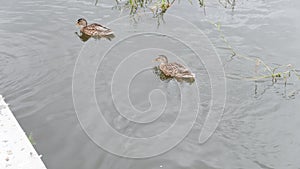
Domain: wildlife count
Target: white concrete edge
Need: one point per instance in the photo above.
(16, 151)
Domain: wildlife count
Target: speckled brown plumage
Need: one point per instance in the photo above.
(93, 29)
(173, 69)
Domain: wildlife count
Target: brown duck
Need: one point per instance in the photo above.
(93, 29)
(173, 69)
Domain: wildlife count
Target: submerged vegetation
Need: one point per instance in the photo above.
(262, 69)
(159, 7)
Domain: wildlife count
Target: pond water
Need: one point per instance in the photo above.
(259, 128)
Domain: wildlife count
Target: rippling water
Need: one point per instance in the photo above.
(259, 129)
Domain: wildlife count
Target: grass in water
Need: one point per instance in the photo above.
(159, 7)
(275, 73)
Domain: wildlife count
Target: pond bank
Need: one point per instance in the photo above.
(16, 151)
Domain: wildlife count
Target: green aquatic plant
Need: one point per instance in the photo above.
(275, 73)
(201, 3)
(158, 7)
(30, 138)
(227, 3)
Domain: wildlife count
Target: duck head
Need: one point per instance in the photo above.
(161, 59)
(81, 22)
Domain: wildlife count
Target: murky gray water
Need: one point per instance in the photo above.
(259, 129)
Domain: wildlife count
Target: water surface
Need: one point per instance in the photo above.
(259, 129)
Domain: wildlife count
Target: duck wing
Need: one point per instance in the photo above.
(169, 69)
(97, 30)
(98, 27)
(181, 68)
(183, 72)
(176, 70)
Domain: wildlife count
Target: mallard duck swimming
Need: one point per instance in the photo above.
(93, 29)
(173, 69)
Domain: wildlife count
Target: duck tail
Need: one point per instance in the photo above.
(109, 32)
(192, 75)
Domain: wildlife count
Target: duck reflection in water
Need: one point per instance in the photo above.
(84, 37)
(165, 78)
